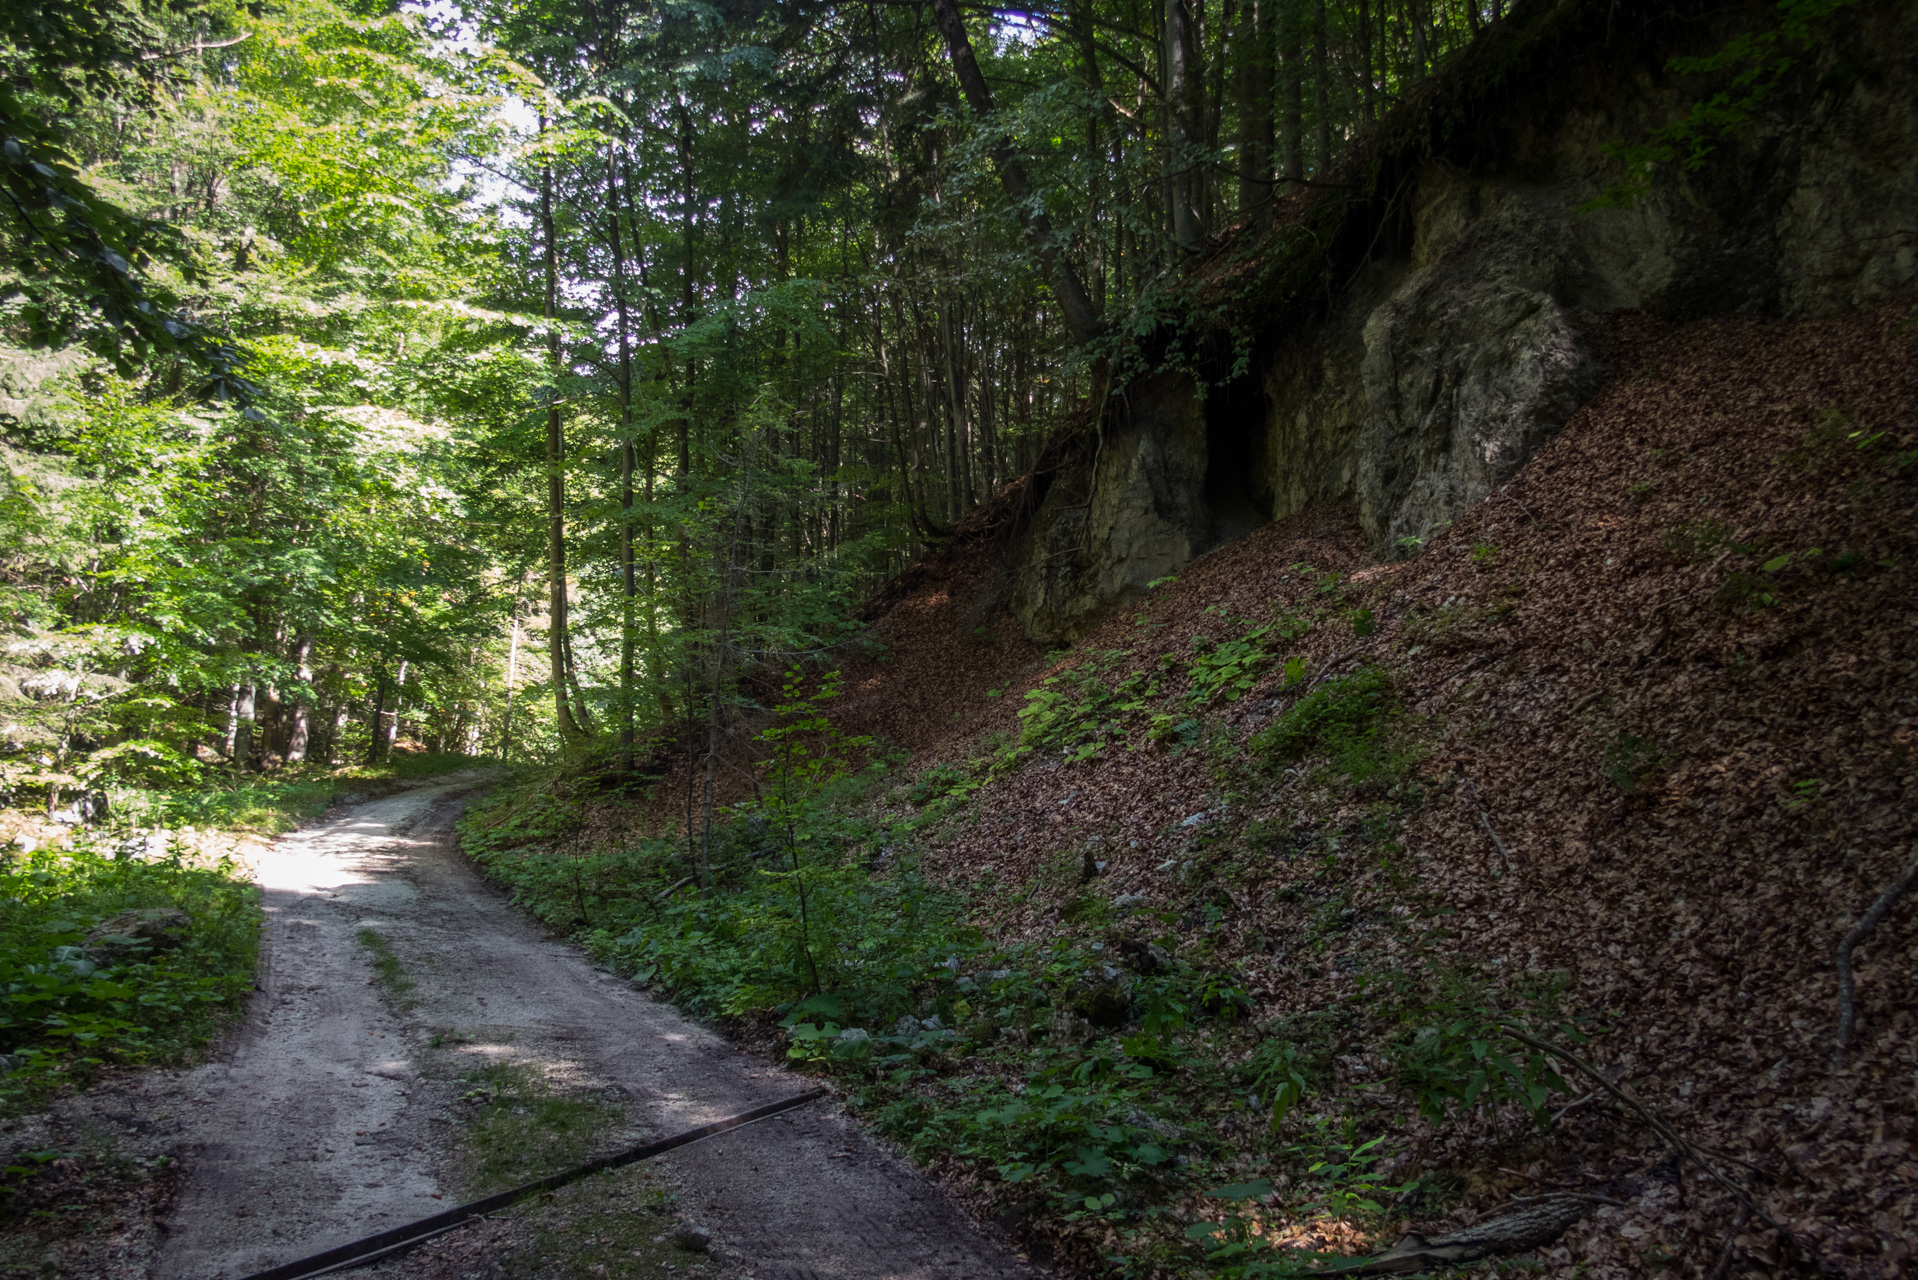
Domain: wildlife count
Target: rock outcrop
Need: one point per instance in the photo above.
(1456, 341)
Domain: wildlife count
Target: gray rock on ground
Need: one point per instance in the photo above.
(137, 935)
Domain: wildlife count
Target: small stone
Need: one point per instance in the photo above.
(1068, 1027)
(137, 934)
(1129, 901)
(1194, 820)
(692, 1238)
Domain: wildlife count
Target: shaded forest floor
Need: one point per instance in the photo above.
(1620, 755)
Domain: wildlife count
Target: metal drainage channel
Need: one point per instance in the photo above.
(372, 1247)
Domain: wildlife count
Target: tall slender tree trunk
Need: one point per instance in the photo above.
(627, 637)
(1292, 92)
(1365, 59)
(390, 731)
(556, 646)
(243, 718)
(296, 741)
(376, 738)
(230, 744)
(512, 682)
(1254, 90)
(1185, 96)
(1322, 83)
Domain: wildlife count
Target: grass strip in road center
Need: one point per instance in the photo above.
(362, 1251)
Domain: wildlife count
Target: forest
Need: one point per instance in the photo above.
(514, 377)
(1272, 637)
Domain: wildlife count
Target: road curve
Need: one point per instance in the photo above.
(315, 1129)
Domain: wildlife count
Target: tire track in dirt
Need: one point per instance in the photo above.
(316, 1130)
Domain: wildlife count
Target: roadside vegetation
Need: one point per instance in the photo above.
(74, 999)
(1103, 1076)
(131, 941)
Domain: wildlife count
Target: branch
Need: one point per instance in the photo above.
(1679, 1142)
(1847, 1006)
(1503, 851)
(198, 46)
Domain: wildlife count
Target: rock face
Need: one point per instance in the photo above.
(1459, 347)
(137, 935)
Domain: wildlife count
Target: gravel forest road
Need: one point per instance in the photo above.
(319, 1127)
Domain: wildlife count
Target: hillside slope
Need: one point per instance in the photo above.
(1274, 914)
(1658, 722)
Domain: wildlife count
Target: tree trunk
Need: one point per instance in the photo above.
(296, 741)
(627, 638)
(379, 716)
(1254, 90)
(512, 681)
(243, 716)
(1292, 93)
(1185, 102)
(1365, 59)
(1075, 304)
(1321, 74)
(231, 742)
(390, 731)
(555, 472)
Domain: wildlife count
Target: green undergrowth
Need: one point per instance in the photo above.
(1127, 699)
(1104, 1075)
(272, 803)
(66, 1013)
(517, 1126)
(67, 1010)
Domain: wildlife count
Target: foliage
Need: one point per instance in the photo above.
(63, 1014)
(1346, 718)
(1758, 63)
(1079, 710)
(1230, 668)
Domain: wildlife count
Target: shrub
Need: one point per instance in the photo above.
(62, 1013)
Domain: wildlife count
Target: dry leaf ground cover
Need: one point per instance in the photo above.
(1659, 691)
(1621, 755)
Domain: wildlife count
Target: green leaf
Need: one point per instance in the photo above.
(1257, 1190)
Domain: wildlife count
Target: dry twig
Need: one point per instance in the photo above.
(1681, 1144)
(1503, 851)
(1847, 990)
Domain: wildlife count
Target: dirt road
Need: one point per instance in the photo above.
(319, 1128)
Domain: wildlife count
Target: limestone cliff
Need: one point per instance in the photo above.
(1416, 335)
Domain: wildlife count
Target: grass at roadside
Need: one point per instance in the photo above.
(1100, 1076)
(269, 805)
(68, 1009)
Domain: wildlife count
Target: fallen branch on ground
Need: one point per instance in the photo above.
(1681, 1144)
(1847, 991)
(1532, 1227)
